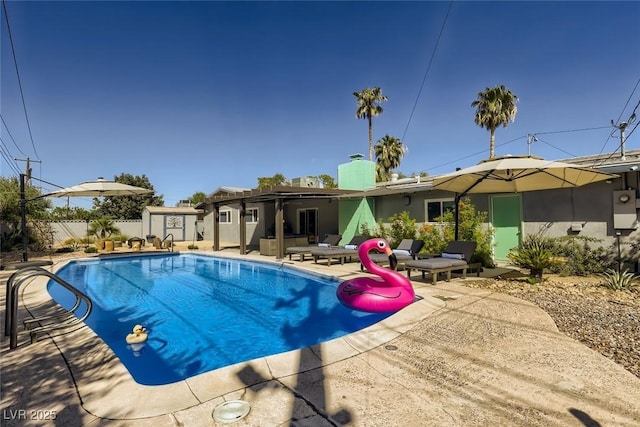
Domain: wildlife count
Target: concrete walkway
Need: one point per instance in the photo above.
(458, 357)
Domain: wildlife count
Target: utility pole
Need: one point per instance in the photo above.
(24, 179)
(621, 127)
(530, 140)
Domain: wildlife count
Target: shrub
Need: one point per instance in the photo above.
(90, 250)
(616, 280)
(535, 253)
(65, 250)
(402, 227)
(192, 247)
(471, 226)
(581, 259)
(432, 237)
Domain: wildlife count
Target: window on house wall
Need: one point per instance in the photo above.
(251, 215)
(437, 208)
(225, 217)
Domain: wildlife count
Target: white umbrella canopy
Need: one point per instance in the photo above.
(517, 174)
(100, 188)
(511, 174)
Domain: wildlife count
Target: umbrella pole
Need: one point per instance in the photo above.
(457, 217)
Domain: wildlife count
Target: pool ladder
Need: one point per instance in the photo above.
(47, 323)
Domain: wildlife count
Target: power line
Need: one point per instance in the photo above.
(433, 54)
(7, 157)
(619, 117)
(476, 154)
(15, 63)
(11, 136)
(571, 130)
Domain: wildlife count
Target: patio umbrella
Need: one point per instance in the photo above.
(100, 188)
(97, 188)
(513, 174)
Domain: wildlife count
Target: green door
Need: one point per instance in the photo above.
(506, 218)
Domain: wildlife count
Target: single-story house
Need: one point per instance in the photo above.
(606, 210)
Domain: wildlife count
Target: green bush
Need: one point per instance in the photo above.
(91, 250)
(402, 227)
(433, 238)
(471, 226)
(580, 258)
(65, 250)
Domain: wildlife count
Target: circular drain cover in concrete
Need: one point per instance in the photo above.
(231, 411)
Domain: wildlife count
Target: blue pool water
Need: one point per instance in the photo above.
(203, 313)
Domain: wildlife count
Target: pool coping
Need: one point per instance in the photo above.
(107, 390)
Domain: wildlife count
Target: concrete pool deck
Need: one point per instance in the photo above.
(457, 357)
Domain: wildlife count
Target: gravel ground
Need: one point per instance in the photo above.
(605, 320)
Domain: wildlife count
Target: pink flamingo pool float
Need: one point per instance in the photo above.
(390, 291)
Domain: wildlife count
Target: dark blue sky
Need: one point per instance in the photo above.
(198, 95)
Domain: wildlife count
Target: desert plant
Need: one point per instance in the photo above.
(619, 280)
(103, 228)
(90, 250)
(192, 247)
(535, 254)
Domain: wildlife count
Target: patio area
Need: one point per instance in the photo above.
(459, 356)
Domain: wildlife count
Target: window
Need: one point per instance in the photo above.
(437, 208)
(251, 215)
(308, 222)
(225, 217)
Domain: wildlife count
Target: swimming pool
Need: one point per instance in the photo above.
(203, 313)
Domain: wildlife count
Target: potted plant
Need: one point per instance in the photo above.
(103, 228)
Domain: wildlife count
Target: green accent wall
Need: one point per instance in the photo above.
(358, 174)
(354, 213)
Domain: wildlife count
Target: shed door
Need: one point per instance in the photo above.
(506, 218)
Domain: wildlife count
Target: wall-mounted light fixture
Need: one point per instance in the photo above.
(623, 198)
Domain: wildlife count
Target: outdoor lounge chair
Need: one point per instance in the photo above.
(328, 241)
(341, 253)
(406, 250)
(455, 257)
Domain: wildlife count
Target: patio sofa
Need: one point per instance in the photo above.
(342, 253)
(328, 241)
(455, 257)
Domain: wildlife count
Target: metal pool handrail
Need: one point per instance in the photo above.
(11, 312)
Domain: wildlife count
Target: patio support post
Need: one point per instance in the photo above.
(243, 227)
(279, 229)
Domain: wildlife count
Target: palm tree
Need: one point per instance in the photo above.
(103, 228)
(494, 107)
(389, 152)
(368, 107)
